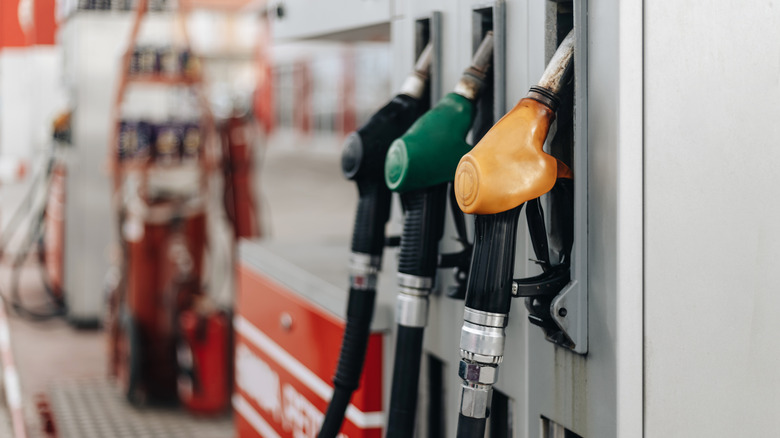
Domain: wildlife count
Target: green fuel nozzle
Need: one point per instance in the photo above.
(419, 165)
(430, 150)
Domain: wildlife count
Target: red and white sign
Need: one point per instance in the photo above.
(286, 354)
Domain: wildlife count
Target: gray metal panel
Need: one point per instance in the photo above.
(711, 109)
(580, 392)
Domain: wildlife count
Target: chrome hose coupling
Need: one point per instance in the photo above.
(363, 270)
(482, 341)
(412, 302)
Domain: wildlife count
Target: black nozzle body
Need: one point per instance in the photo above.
(362, 161)
(423, 228)
(489, 287)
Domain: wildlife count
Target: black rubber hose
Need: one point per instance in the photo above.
(471, 427)
(360, 310)
(423, 228)
(489, 287)
(406, 378)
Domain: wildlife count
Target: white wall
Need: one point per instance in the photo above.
(712, 87)
(31, 94)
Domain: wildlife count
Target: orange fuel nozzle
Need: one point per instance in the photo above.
(508, 166)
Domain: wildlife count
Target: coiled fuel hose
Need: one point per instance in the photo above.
(420, 165)
(363, 162)
(504, 170)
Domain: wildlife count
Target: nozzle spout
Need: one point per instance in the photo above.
(474, 76)
(414, 85)
(423, 65)
(559, 67)
(483, 56)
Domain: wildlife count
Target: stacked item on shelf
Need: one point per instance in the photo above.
(163, 61)
(121, 5)
(165, 143)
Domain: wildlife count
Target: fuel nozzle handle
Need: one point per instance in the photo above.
(506, 169)
(420, 166)
(488, 298)
(363, 161)
(364, 153)
(508, 166)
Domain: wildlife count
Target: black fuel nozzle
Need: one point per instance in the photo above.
(362, 161)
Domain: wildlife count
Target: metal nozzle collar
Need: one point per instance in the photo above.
(363, 269)
(360, 263)
(424, 284)
(484, 318)
(545, 97)
(482, 344)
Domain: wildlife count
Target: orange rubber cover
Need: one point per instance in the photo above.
(508, 166)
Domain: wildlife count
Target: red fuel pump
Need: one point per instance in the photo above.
(162, 280)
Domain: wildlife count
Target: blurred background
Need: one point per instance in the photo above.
(175, 226)
(139, 140)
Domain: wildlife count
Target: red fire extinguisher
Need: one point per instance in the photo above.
(203, 356)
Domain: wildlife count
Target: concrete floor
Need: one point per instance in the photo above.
(304, 198)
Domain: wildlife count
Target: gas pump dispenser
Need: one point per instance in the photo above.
(420, 165)
(506, 169)
(362, 161)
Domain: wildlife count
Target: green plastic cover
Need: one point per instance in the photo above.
(430, 150)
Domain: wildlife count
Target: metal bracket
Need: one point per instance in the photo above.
(567, 311)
